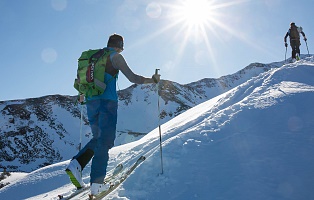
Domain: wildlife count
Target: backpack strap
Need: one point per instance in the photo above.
(96, 56)
(110, 69)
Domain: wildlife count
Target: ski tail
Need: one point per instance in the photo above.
(115, 172)
(118, 182)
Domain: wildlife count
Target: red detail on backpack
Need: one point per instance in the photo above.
(90, 73)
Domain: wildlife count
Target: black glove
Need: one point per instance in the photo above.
(286, 44)
(305, 39)
(156, 78)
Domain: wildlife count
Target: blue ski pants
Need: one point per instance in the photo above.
(102, 116)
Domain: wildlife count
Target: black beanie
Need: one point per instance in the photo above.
(115, 40)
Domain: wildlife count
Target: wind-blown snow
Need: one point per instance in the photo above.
(255, 141)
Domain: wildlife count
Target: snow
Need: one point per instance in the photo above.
(253, 142)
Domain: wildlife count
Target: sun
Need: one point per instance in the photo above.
(198, 25)
(194, 18)
(200, 18)
(195, 12)
(193, 21)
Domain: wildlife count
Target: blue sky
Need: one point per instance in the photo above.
(41, 40)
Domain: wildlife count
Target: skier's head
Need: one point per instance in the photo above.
(292, 24)
(115, 40)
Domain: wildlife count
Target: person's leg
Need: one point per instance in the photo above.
(293, 47)
(293, 53)
(86, 154)
(79, 161)
(298, 50)
(107, 121)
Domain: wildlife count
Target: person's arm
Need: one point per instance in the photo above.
(303, 34)
(285, 39)
(119, 63)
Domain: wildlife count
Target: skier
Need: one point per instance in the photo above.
(102, 116)
(294, 35)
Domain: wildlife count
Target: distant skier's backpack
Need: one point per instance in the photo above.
(295, 32)
(91, 72)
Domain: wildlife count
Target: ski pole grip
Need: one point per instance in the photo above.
(156, 71)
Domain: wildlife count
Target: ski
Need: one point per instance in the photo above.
(116, 171)
(118, 182)
(74, 194)
(110, 177)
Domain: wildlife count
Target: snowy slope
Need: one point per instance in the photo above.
(37, 132)
(253, 142)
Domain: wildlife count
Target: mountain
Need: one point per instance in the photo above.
(254, 141)
(41, 131)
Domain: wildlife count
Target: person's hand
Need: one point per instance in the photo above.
(156, 78)
(305, 39)
(286, 44)
(81, 98)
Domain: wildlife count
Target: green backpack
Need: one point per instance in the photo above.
(91, 72)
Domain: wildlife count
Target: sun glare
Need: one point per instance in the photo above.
(194, 18)
(195, 12)
(196, 23)
(200, 21)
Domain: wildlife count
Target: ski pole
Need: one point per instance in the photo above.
(307, 48)
(81, 127)
(161, 160)
(286, 55)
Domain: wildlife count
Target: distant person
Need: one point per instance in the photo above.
(102, 116)
(294, 35)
